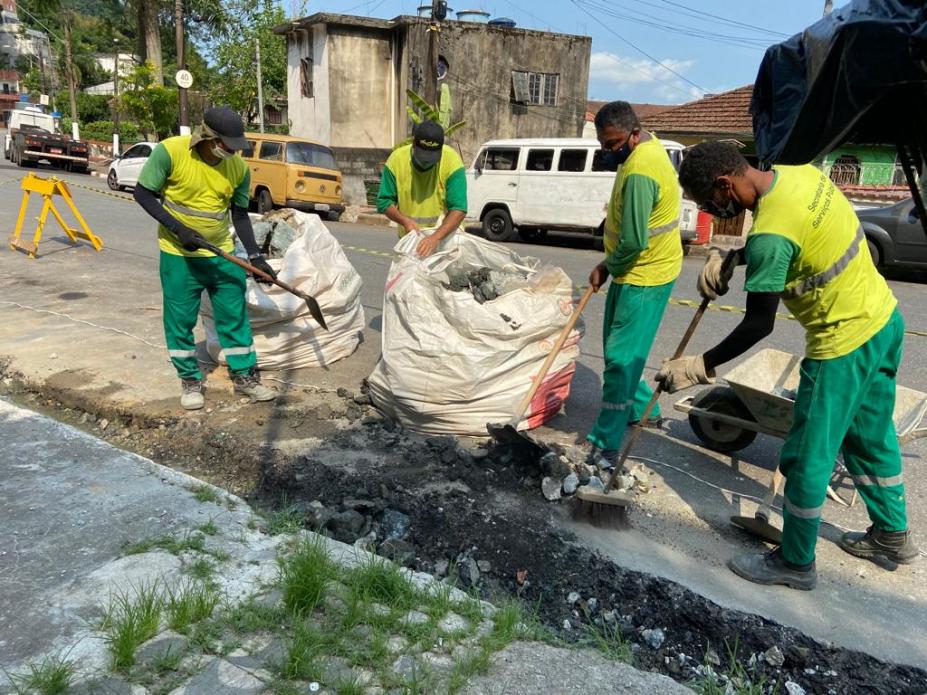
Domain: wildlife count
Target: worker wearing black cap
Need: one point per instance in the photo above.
(422, 182)
(189, 184)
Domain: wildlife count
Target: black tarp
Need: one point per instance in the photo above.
(858, 75)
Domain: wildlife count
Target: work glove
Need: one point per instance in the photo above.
(259, 262)
(713, 281)
(684, 372)
(189, 239)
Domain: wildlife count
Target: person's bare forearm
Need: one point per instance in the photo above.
(393, 213)
(452, 220)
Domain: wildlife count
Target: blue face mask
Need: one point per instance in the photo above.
(612, 159)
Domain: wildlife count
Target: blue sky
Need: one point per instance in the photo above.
(700, 53)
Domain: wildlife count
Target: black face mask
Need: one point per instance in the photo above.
(422, 167)
(612, 159)
(731, 210)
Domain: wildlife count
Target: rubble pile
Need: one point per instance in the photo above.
(563, 476)
(483, 283)
(274, 234)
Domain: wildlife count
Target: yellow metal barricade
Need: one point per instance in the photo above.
(48, 188)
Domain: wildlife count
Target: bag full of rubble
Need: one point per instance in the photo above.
(305, 255)
(465, 331)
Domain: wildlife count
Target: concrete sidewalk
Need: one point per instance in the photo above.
(87, 525)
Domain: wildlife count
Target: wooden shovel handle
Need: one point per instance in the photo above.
(564, 334)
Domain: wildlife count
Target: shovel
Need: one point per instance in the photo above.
(313, 305)
(758, 524)
(507, 432)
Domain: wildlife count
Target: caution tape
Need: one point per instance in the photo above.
(92, 189)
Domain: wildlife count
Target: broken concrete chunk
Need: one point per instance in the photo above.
(570, 483)
(551, 488)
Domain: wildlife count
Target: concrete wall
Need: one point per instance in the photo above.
(482, 59)
(359, 69)
(359, 164)
(309, 117)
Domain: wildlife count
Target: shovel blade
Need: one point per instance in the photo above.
(507, 434)
(759, 527)
(314, 309)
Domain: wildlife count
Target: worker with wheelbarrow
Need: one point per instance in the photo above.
(807, 247)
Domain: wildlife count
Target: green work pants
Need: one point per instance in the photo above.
(183, 280)
(632, 317)
(845, 403)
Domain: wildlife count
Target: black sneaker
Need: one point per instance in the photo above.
(772, 568)
(896, 546)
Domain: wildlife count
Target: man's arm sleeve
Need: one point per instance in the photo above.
(157, 168)
(638, 198)
(389, 194)
(758, 323)
(456, 196)
(152, 205)
(243, 229)
(242, 195)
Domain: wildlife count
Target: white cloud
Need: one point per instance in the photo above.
(612, 76)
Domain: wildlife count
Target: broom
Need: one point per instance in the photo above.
(609, 508)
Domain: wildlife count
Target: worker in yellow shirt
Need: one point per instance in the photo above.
(422, 183)
(807, 247)
(643, 255)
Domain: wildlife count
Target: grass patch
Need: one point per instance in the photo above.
(305, 649)
(304, 574)
(129, 621)
(252, 616)
(439, 602)
(204, 493)
(286, 520)
(206, 635)
(351, 686)
(201, 569)
(378, 580)
(191, 603)
(167, 662)
(735, 679)
(50, 676)
(609, 641)
(208, 529)
(189, 542)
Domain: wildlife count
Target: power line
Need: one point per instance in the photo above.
(724, 19)
(638, 48)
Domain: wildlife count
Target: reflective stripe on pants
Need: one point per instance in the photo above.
(844, 404)
(183, 280)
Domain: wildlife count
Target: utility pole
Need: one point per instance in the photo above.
(257, 52)
(828, 7)
(431, 64)
(116, 98)
(181, 65)
(75, 131)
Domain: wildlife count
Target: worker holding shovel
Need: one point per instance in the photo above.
(643, 255)
(422, 182)
(807, 247)
(189, 184)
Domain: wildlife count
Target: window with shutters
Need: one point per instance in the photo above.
(305, 77)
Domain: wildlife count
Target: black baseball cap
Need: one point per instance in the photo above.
(427, 142)
(227, 126)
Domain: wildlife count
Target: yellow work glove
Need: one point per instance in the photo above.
(712, 282)
(684, 372)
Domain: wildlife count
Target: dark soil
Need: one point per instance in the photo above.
(478, 511)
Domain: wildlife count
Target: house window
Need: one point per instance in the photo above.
(536, 88)
(845, 170)
(305, 77)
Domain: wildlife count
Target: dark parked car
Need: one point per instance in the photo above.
(895, 235)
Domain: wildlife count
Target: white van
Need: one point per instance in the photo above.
(531, 186)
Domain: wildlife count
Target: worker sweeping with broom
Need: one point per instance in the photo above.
(643, 255)
(807, 247)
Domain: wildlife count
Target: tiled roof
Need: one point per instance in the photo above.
(727, 113)
(888, 194)
(643, 111)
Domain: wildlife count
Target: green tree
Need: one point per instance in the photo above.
(234, 55)
(152, 106)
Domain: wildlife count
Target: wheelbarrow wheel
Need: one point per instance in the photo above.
(721, 436)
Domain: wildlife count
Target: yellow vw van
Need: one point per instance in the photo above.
(293, 172)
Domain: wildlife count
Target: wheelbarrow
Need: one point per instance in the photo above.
(760, 397)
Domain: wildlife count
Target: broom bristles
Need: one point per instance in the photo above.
(600, 515)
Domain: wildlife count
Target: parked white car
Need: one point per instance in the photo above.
(124, 171)
(531, 186)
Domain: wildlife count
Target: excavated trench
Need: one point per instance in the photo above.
(473, 514)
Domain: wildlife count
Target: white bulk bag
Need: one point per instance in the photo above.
(285, 335)
(449, 364)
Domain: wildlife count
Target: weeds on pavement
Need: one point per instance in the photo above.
(51, 676)
(129, 621)
(304, 575)
(190, 603)
(204, 493)
(735, 680)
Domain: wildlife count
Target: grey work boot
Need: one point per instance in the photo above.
(192, 396)
(772, 568)
(603, 459)
(896, 546)
(250, 385)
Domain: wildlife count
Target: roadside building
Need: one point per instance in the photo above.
(347, 78)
